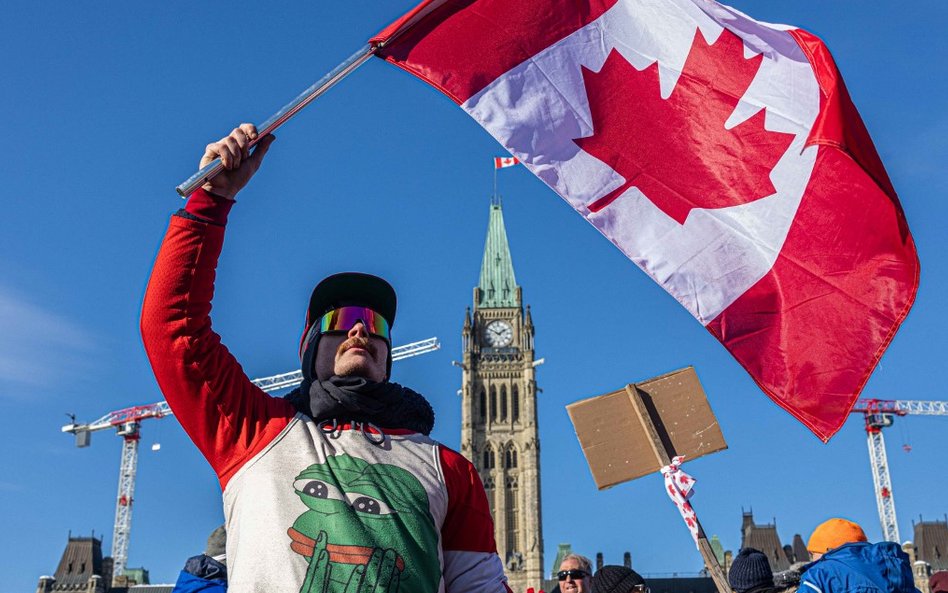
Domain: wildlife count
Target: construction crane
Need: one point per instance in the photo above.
(879, 414)
(127, 424)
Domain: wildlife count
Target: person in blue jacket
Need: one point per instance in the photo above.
(845, 562)
(207, 572)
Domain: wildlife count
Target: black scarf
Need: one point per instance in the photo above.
(385, 404)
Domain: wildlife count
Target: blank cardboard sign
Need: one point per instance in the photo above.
(632, 432)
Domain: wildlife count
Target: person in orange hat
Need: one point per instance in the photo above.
(844, 561)
(831, 534)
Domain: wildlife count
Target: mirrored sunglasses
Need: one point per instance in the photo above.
(344, 318)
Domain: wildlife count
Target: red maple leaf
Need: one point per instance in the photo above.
(677, 151)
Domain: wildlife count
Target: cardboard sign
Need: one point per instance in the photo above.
(637, 430)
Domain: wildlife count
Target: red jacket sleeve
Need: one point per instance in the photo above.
(229, 418)
(471, 563)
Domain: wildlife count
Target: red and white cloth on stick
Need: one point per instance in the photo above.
(722, 155)
(501, 162)
(679, 486)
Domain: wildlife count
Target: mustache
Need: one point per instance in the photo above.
(358, 342)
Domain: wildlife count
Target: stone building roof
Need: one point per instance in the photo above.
(166, 588)
(81, 560)
(931, 543)
(764, 538)
(800, 553)
(562, 551)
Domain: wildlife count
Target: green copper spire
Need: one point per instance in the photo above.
(498, 286)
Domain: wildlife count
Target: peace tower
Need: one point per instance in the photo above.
(499, 411)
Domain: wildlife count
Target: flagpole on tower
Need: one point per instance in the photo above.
(495, 184)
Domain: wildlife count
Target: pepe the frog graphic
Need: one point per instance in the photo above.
(367, 528)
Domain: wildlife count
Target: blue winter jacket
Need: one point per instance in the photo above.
(202, 574)
(860, 568)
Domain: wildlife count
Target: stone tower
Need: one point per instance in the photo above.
(499, 411)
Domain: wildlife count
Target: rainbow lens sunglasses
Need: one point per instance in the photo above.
(343, 319)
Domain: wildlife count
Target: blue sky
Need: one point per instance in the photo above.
(109, 107)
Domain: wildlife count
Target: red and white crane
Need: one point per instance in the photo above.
(879, 414)
(127, 424)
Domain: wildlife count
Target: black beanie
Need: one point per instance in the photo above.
(616, 579)
(750, 570)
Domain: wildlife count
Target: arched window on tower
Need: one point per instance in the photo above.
(483, 404)
(510, 456)
(503, 403)
(493, 403)
(515, 403)
(489, 458)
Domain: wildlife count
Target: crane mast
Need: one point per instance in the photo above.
(121, 530)
(879, 414)
(127, 423)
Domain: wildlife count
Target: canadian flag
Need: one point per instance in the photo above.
(722, 155)
(501, 162)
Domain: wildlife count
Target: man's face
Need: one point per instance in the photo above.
(572, 585)
(356, 353)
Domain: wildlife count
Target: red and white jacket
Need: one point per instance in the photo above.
(285, 478)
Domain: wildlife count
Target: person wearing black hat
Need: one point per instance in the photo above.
(337, 486)
(618, 579)
(750, 572)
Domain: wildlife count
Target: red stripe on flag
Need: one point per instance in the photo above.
(464, 45)
(813, 329)
(839, 123)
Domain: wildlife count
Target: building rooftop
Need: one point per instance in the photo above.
(498, 285)
(931, 543)
(81, 559)
(764, 538)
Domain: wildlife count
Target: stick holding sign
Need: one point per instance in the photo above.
(648, 427)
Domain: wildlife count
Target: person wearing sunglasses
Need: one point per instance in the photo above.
(575, 574)
(336, 487)
(618, 579)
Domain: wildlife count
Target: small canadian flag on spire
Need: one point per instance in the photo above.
(502, 162)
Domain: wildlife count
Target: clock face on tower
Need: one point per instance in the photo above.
(498, 334)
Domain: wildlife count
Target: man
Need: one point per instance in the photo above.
(618, 579)
(207, 572)
(336, 488)
(938, 582)
(831, 534)
(845, 561)
(575, 574)
(750, 572)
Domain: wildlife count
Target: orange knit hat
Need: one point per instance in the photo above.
(834, 533)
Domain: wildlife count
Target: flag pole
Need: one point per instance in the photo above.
(494, 200)
(322, 85)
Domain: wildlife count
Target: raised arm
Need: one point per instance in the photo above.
(227, 416)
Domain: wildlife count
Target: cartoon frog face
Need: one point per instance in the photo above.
(361, 507)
